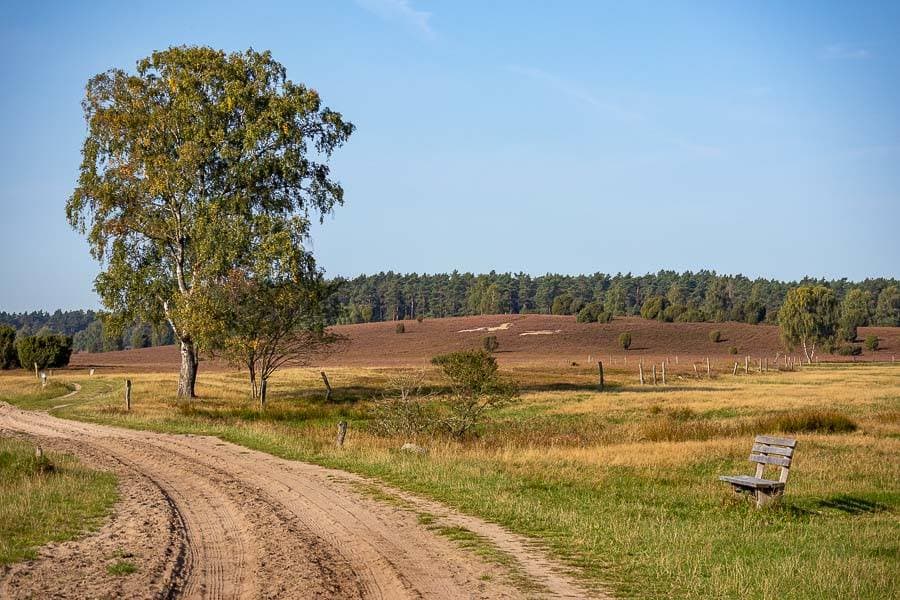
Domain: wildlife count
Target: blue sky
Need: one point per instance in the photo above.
(753, 137)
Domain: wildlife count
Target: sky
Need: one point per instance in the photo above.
(760, 138)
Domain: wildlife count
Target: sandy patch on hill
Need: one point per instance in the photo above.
(501, 327)
(542, 332)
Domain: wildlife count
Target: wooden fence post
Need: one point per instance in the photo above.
(734, 371)
(708, 376)
(600, 368)
(641, 371)
(37, 376)
(696, 372)
(43, 379)
(664, 371)
(342, 433)
(128, 394)
(654, 373)
(746, 365)
(327, 387)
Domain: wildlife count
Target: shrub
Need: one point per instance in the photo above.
(589, 312)
(872, 343)
(44, 350)
(653, 308)
(810, 421)
(849, 350)
(419, 318)
(604, 316)
(476, 389)
(9, 358)
(715, 336)
(625, 340)
(402, 411)
(732, 350)
(691, 315)
(401, 328)
(490, 343)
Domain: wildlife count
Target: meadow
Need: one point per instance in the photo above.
(622, 485)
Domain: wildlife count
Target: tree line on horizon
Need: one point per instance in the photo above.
(703, 296)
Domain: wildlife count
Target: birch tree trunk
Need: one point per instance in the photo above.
(187, 377)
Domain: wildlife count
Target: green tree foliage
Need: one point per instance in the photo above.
(887, 310)
(476, 389)
(47, 351)
(872, 343)
(191, 164)
(9, 358)
(264, 321)
(625, 340)
(562, 304)
(809, 316)
(654, 308)
(854, 313)
(715, 336)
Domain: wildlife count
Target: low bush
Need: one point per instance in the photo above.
(872, 343)
(732, 350)
(715, 336)
(419, 319)
(807, 421)
(46, 351)
(625, 340)
(402, 410)
(849, 350)
(400, 328)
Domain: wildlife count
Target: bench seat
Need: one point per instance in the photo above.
(755, 483)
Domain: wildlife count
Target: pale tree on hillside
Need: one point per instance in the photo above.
(189, 164)
(808, 317)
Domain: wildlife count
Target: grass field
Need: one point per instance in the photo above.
(622, 484)
(47, 499)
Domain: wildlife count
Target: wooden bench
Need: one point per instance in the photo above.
(767, 450)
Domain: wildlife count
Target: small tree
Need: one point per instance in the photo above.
(9, 358)
(265, 323)
(490, 343)
(654, 308)
(400, 328)
(46, 351)
(476, 389)
(625, 340)
(715, 336)
(872, 343)
(808, 317)
(854, 313)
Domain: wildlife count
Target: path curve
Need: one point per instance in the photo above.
(212, 519)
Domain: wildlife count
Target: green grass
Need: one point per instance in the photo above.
(51, 499)
(121, 567)
(621, 485)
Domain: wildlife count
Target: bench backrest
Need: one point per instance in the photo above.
(768, 450)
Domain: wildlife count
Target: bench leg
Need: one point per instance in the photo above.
(766, 498)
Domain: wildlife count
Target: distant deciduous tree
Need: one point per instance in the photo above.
(809, 316)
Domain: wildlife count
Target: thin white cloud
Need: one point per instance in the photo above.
(842, 52)
(401, 11)
(575, 92)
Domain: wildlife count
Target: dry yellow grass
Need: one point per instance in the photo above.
(623, 484)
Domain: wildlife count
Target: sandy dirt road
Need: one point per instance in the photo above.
(202, 518)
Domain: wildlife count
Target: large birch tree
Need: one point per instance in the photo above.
(190, 165)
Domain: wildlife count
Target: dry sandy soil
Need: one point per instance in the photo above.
(202, 518)
(550, 340)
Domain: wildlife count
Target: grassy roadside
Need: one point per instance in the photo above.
(621, 485)
(48, 499)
